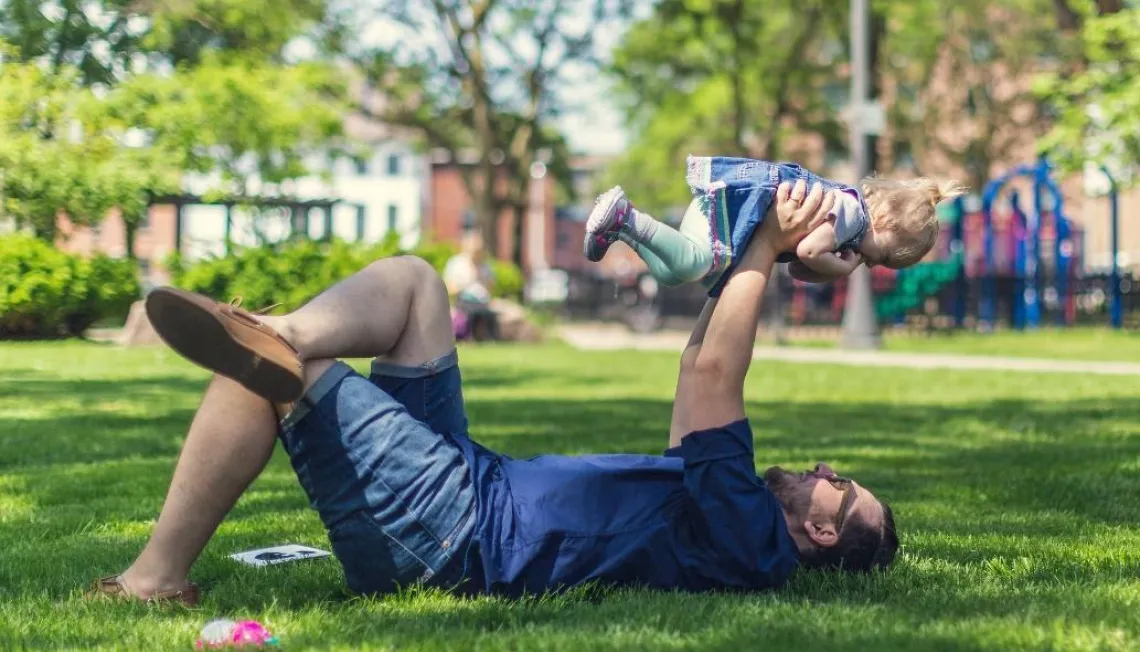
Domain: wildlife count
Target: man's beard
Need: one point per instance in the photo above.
(789, 489)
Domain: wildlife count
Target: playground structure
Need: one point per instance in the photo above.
(1027, 261)
(1011, 261)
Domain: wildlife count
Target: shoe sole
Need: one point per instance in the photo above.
(189, 324)
(601, 219)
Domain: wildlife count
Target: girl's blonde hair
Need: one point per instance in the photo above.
(906, 209)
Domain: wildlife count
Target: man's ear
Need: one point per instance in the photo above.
(822, 534)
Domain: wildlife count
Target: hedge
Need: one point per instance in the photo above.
(294, 272)
(47, 293)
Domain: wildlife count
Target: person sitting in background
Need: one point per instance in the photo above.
(470, 280)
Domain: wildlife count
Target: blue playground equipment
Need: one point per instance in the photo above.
(1024, 267)
(1027, 263)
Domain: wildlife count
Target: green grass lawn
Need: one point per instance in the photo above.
(1094, 344)
(1016, 497)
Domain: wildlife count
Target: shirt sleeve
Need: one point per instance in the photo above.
(743, 517)
(849, 219)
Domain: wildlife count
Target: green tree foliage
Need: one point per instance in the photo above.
(740, 77)
(244, 120)
(99, 39)
(1097, 107)
(108, 40)
(728, 77)
(109, 104)
(59, 151)
(961, 73)
(487, 81)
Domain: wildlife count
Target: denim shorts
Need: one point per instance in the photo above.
(735, 194)
(379, 461)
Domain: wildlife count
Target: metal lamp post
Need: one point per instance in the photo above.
(860, 324)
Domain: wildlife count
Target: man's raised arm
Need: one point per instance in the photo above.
(710, 388)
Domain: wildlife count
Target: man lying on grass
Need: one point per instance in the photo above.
(407, 497)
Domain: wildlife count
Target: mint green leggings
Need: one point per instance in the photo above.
(677, 256)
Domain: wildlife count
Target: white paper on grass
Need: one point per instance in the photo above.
(278, 555)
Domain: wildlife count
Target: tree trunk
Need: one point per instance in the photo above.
(520, 211)
(486, 213)
(130, 228)
(1067, 19)
(1104, 7)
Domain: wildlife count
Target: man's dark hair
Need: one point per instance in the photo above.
(861, 548)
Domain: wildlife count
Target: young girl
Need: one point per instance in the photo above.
(884, 222)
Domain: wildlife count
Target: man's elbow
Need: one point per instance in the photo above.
(810, 252)
(713, 372)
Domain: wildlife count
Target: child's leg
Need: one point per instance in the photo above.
(673, 256)
(687, 253)
(657, 267)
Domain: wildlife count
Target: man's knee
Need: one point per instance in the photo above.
(428, 330)
(410, 273)
(417, 267)
(428, 290)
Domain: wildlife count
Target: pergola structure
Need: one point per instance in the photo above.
(299, 211)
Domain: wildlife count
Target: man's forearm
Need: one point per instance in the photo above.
(802, 272)
(726, 353)
(732, 326)
(683, 406)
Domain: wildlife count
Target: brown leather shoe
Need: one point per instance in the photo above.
(114, 588)
(227, 340)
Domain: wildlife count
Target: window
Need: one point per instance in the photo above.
(837, 95)
(393, 214)
(315, 224)
(144, 223)
(904, 156)
(982, 48)
(393, 165)
(907, 93)
(360, 219)
(361, 164)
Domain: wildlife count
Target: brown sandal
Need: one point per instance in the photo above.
(114, 587)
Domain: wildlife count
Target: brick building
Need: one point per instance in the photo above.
(450, 212)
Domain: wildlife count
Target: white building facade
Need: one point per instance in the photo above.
(383, 190)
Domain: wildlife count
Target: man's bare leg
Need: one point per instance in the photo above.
(396, 308)
(229, 442)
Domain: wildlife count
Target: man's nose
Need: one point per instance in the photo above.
(824, 471)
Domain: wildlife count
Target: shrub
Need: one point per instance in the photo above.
(509, 280)
(294, 272)
(47, 293)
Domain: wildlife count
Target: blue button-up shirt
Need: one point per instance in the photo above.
(696, 519)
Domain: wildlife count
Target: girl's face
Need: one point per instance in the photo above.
(876, 247)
